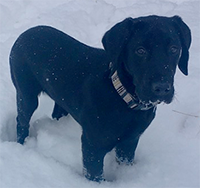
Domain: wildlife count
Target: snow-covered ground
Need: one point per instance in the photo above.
(168, 154)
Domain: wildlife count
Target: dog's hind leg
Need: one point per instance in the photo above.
(58, 112)
(26, 105)
(27, 89)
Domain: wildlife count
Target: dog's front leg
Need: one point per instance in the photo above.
(125, 151)
(92, 160)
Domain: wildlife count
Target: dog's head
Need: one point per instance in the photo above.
(148, 50)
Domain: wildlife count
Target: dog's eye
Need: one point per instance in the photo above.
(141, 51)
(173, 49)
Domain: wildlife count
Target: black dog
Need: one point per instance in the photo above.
(111, 93)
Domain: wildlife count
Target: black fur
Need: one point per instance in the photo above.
(145, 51)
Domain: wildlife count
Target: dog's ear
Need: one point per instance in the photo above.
(185, 37)
(116, 38)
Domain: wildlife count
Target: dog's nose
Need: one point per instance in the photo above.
(161, 89)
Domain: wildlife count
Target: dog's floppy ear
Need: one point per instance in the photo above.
(185, 37)
(116, 38)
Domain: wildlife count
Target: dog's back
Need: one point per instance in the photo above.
(46, 59)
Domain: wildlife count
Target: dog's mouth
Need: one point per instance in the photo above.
(152, 101)
(145, 106)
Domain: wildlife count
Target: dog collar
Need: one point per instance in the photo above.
(132, 101)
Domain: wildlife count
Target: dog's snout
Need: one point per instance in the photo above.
(161, 89)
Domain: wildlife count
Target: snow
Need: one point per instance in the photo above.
(168, 155)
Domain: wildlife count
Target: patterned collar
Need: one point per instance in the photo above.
(131, 100)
